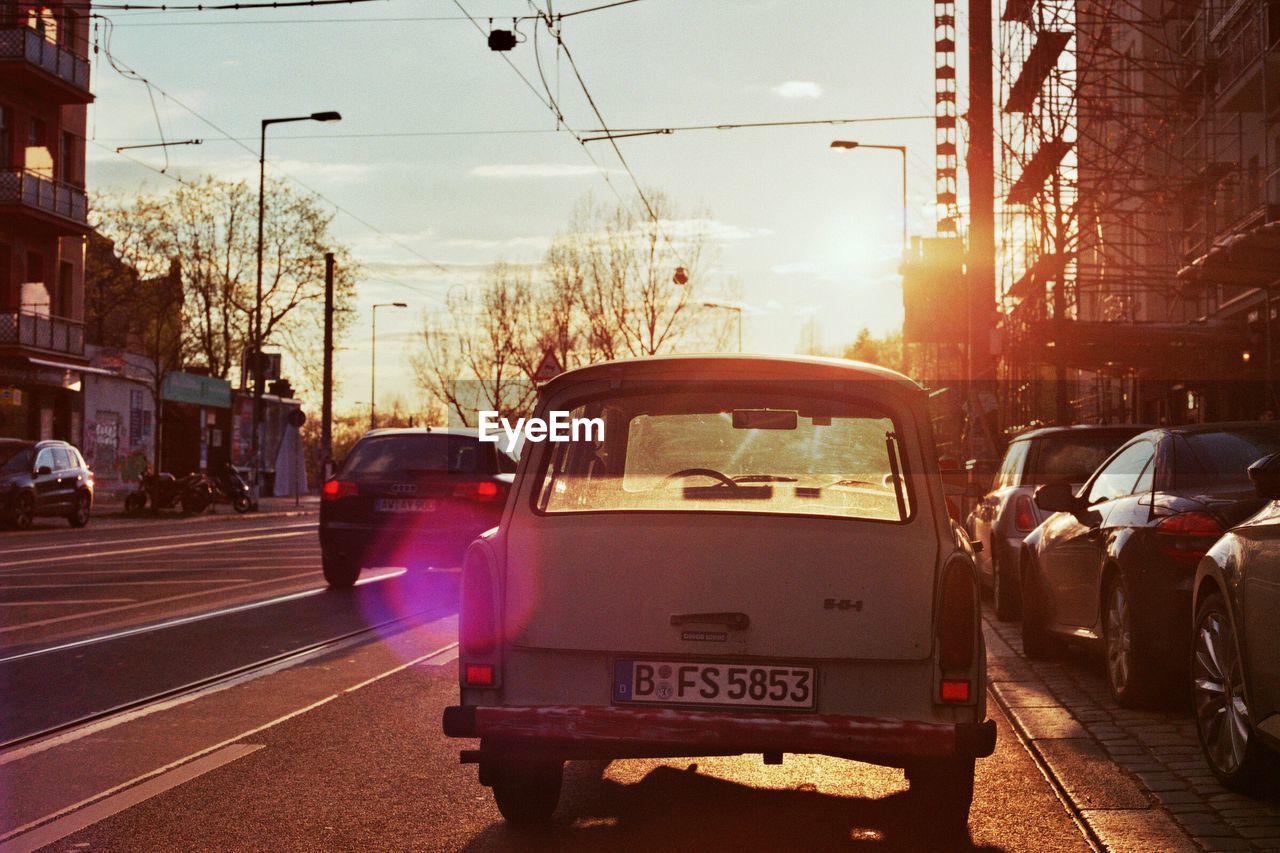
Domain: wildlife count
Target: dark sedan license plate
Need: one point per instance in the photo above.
(691, 683)
(405, 505)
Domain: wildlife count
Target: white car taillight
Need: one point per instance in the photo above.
(478, 623)
(957, 632)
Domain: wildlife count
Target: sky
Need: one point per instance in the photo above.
(447, 160)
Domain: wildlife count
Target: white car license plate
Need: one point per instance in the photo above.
(404, 505)
(724, 684)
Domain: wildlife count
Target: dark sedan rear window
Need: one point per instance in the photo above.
(1071, 458)
(16, 457)
(419, 454)
(1213, 459)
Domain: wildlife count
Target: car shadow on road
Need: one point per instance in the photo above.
(674, 809)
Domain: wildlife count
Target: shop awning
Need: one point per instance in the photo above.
(1251, 259)
(62, 365)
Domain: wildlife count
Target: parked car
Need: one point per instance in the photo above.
(1235, 636)
(40, 478)
(754, 557)
(1116, 561)
(410, 497)
(1007, 513)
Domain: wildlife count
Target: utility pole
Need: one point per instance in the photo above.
(326, 404)
(981, 266)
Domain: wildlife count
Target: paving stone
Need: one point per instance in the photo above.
(1167, 798)
(1040, 723)
(1025, 695)
(1089, 776)
(1144, 830)
(1223, 845)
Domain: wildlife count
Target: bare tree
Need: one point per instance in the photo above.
(605, 290)
(210, 229)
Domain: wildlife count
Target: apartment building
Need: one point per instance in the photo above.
(44, 92)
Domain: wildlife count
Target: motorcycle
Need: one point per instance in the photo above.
(230, 487)
(193, 493)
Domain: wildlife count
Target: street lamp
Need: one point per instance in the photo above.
(737, 308)
(373, 364)
(255, 449)
(901, 149)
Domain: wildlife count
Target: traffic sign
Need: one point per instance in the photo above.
(549, 368)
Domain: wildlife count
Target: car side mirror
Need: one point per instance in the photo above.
(42, 470)
(1057, 497)
(1265, 476)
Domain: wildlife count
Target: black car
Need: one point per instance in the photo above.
(1235, 637)
(410, 497)
(43, 478)
(1115, 562)
(1006, 514)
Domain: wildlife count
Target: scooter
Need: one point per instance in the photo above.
(193, 492)
(231, 488)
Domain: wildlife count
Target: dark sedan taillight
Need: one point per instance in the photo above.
(481, 491)
(1024, 515)
(336, 490)
(1186, 537)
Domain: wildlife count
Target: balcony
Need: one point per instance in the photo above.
(34, 200)
(39, 332)
(42, 67)
(1246, 44)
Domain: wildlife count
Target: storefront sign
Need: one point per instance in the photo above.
(200, 390)
(10, 396)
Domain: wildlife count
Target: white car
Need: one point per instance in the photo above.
(756, 557)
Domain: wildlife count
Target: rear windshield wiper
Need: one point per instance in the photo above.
(722, 492)
(763, 478)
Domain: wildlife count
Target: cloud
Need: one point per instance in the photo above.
(534, 170)
(797, 89)
(713, 230)
(535, 242)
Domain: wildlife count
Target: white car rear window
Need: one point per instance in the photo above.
(731, 451)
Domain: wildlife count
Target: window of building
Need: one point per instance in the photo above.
(69, 159)
(66, 276)
(6, 136)
(37, 132)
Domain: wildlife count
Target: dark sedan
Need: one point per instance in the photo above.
(1235, 635)
(410, 497)
(41, 478)
(1006, 514)
(1115, 562)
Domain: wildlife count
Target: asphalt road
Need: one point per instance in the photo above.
(58, 584)
(371, 770)
(344, 750)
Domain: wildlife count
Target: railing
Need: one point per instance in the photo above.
(18, 186)
(26, 43)
(54, 334)
(1244, 37)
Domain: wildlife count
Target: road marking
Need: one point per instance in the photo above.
(443, 656)
(18, 587)
(143, 629)
(65, 601)
(109, 806)
(210, 544)
(189, 535)
(310, 558)
(18, 832)
(55, 619)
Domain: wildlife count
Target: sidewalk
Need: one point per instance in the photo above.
(111, 503)
(1136, 778)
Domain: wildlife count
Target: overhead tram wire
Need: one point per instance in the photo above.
(549, 104)
(291, 177)
(209, 7)
(163, 8)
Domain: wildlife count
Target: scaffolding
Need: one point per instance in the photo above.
(1093, 176)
